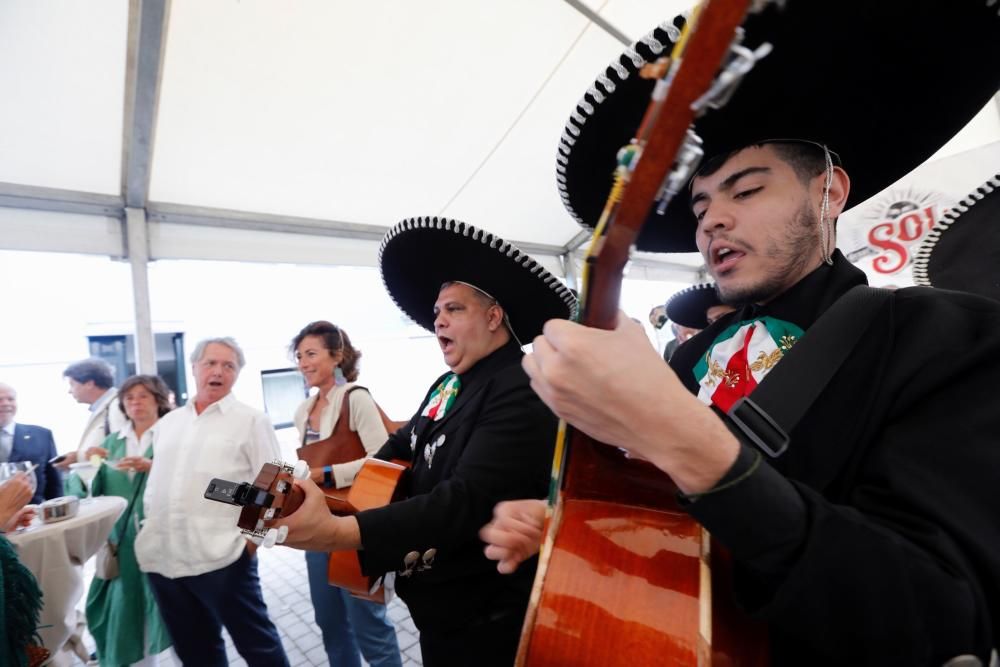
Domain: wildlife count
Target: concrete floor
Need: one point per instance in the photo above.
(286, 592)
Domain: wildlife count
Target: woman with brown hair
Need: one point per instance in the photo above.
(350, 626)
(121, 612)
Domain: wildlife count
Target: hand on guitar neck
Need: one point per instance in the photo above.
(283, 505)
(312, 527)
(636, 403)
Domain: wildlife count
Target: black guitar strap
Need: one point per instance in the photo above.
(767, 416)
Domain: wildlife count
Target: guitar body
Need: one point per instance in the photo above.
(639, 583)
(377, 484)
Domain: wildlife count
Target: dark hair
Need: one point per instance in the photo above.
(335, 340)
(96, 370)
(154, 385)
(805, 158)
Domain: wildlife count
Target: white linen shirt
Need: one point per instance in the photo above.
(184, 534)
(364, 420)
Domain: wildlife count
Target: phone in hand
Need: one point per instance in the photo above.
(57, 459)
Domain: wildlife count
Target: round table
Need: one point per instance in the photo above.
(55, 554)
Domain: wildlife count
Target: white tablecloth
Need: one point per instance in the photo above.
(55, 554)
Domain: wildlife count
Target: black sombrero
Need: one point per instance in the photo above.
(418, 255)
(883, 84)
(962, 251)
(688, 307)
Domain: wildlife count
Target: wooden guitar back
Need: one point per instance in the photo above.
(377, 485)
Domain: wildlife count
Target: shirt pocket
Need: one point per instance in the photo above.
(218, 457)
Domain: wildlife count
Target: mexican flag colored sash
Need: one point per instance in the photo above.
(442, 398)
(740, 357)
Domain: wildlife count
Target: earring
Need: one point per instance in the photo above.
(827, 244)
(338, 375)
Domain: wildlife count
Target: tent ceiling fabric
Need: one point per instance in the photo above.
(290, 114)
(373, 112)
(62, 77)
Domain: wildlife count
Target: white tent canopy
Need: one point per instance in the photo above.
(300, 131)
(324, 118)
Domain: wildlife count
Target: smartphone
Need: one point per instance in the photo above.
(57, 459)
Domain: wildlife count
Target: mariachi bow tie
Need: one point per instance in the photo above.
(443, 398)
(741, 357)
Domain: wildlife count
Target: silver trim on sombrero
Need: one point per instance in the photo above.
(620, 69)
(921, 258)
(487, 239)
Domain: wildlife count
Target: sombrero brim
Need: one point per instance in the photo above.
(418, 255)
(688, 307)
(962, 251)
(854, 75)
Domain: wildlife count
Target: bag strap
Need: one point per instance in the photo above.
(769, 414)
(345, 409)
(131, 503)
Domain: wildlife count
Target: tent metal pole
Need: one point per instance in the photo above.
(600, 21)
(137, 245)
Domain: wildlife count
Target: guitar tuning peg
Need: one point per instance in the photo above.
(270, 538)
(282, 534)
(300, 470)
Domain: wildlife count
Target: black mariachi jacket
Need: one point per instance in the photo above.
(495, 443)
(875, 539)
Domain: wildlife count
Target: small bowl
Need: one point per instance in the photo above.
(59, 509)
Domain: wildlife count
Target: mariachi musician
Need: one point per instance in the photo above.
(480, 436)
(872, 539)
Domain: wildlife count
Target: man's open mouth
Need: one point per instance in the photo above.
(725, 257)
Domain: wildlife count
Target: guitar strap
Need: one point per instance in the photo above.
(768, 415)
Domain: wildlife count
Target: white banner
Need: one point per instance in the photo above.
(881, 234)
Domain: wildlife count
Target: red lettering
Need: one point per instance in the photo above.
(886, 262)
(931, 218)
(911, 227)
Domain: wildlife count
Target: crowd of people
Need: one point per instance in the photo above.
(185, 569)
(861, 532)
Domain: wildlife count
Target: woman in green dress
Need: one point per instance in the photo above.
(122, 612)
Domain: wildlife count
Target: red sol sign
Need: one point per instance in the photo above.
(896, 224)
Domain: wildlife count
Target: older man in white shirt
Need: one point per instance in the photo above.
(202, 571)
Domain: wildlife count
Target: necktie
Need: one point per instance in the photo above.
(442, 398)
(6, 445)
(741, 357)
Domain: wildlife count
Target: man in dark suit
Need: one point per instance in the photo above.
(24, 442)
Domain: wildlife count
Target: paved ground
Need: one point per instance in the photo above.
(286, 592)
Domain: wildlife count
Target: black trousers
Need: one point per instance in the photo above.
(489, 644)
(196, 608)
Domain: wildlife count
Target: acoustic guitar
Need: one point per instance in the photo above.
(272, 495)
(625, 576)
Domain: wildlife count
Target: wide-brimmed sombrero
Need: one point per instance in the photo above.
(882, 84)
(689, 306)
(418, 255)
(962, 251)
